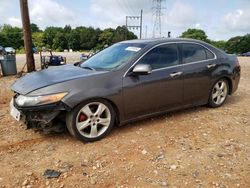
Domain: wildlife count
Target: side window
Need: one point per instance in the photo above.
(210, 55)
(193, 52)
(162, 56)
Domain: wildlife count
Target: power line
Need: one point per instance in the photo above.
(157, 17)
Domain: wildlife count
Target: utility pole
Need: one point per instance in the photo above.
(157, 14)
(141, 25)
(27, 35)
(135, 26)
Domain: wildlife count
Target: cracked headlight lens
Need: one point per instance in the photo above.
(22, 100)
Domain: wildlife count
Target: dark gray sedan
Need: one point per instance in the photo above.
(128, 81)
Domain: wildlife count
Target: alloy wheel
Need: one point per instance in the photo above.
(219, 92)
(93, 119)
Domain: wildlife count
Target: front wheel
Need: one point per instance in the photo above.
(219, 93)
(91, 121)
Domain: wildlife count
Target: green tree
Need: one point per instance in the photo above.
(59, 42)
(122, 33)
(12, 36)
(73, 40)
(232, 45)
(58, 38)
(106, 37)
(38, 40)
(49, 35)
(239, 44)
(195, 34)
(34, 28)
(219, 44)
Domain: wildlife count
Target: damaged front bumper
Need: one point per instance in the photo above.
(47, 118)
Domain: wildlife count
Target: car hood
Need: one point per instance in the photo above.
(54, 75)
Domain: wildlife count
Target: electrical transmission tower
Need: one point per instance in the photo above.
(157, 15)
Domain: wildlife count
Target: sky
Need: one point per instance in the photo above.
(220, 19)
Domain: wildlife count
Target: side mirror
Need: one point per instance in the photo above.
(142, 69)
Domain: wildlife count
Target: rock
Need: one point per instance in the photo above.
(198, 181)
(29, 173)
(205, 134)
(164, 184)
(159, 157)
(173, 167)
(65, 175)
(195, 174)
(51, 173)
(62, 185)
(25, 182)
(47, 183)
(144, 152)
(156, 172)
(65, 167)
(51, 148)
(29, 186)
(92, 181)
(85, 174)
(220, 155)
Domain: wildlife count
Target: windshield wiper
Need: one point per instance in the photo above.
(90, 68)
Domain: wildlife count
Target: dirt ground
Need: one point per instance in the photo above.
(197, 147)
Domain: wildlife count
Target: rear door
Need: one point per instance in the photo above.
(160, 90)
(198, 65)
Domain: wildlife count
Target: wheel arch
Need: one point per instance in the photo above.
(112, 103)
(229, 81)
(230, 84)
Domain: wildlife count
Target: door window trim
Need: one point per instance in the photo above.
(180, 64)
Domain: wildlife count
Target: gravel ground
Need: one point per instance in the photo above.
(196, 147)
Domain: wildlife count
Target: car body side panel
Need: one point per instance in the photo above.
(150, 93)
(197, 81)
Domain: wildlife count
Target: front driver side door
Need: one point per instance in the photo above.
(158, 91)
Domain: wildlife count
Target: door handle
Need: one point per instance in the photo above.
(176, 74)
(211, 66)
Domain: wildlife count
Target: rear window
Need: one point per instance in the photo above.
(210, 55)
(195, 52)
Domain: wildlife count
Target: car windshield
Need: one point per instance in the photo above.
(113, 57)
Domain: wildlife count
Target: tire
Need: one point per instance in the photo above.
(91, 120)
(218, 93)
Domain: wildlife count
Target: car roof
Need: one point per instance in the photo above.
(161, 40)
(153, 42)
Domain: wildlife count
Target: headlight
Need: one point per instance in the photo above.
(39, 100)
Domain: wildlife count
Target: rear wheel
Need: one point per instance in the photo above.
(91, 121)
(219, 93)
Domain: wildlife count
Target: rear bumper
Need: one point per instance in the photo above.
(235, 79)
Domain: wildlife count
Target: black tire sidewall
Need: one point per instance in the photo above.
(211, 102)
(71, 120)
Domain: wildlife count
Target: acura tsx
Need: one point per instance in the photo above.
(128, 81)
